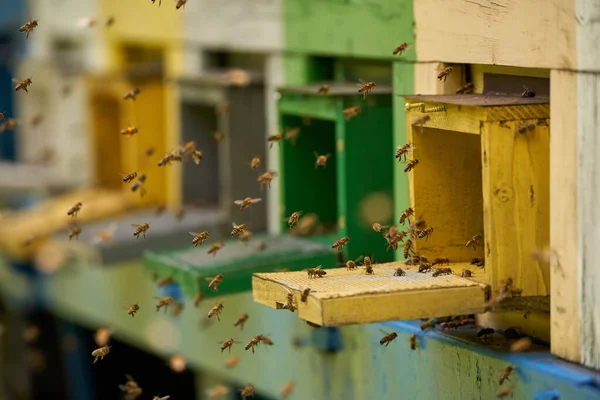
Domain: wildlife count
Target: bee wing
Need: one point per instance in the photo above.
(136, 225)
(384, 332)
(165, 397)
(257, 200)
(129, 378)
(234, 225)
(361, 81)
(316, 154)
(15, 80)
(238, 202)
(210, 279)
(194, 234)
(327, 155)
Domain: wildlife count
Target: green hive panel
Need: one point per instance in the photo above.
(237, 261)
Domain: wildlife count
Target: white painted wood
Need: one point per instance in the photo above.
(588, 127)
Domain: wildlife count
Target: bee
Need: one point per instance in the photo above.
(255, 163)
(247, 391)
(293, 219)
(316, 272)
(292, 135)
(180, 3)
(425, 267)
(377, 227)
(177, 309)
(215, 282)
(8, 125)
(218, 135)
(287, 389)
(216, 311)
(149, 151)
(304, 296)
(228, 344)
(159, 2)
(264, 339)
(165, 281)
(237, 229)
(140, 230)
(75, 209)
(131, 388)
(478, 261)
(232, 361)
(110, 21)
(22, 84)
(28, 27)
(368, 266)
(504, 375)
(444, 74)
(131, 94)
(1, 116)
(466, 88)
(321, 160)
(410, 165)
(468, 322)
(168, 159)
(449, 325)
(466, 273)
(265, 179)
(74, 232)
(197, 157)
(428, 325)
(274, 138)
(527, 93)
(350, 265)
(521, 345)
(412, 340)
(161, 398)
(129, 131)
(442, 271)
(441, 261)
(485, 332)
(401, 48)
(130, 177)
(163, 302)
(214, 249)
(365, 87)
(289, 305)
(421, 121)
(198, 298)
(425, 233)
(406, 214)
(403, 151)
(340, 243)
(247, 202)
(505, 391)
(255, 341)
(199, 238)
(529, 126)
(139, 185)
(100, 353)
(241, 321)
(245, 236)
(474, 241)
(506, 287)
(399, 272)
(323, 89)
(408, 248)
(388, 338)
(351, 112)
(36, 120)
(416, 259)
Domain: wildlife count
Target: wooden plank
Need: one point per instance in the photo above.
(516, 204)
(345, 297)
(326, 108)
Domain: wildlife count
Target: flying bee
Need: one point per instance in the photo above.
(293, 219)
(241, 321)
(466, 88)
(247, 391)
(365, 87)
(129, 131)
(444, 74)
(187, 149)
(287, 389)
(402, 151)
(217, 392)
(442, 271)
(74, 232)
(316, 272)
(377, 227)
(504, 375)
(401, 48)
(292, 135)
(474, 241)
(237, 229)
(163, 302)
(167, 280)
(323, 89)
(466, 273)
(367, 263)
(265, 179)
(139, 185)
(177, 309)
(161, 398)
(215, 282)
(247, 202)
(521, 345)
(321, 160)
(351, 112)
(214, 249)
(408, 248)
(421, 121)
(412, 340)
(388, 338)
(140, 230)
(304, 296)
(340, 243)
(527, 93)
(28, 27)
(441, 261)
(425, 267)
(131, 388)
(110, 21)
(228, 344)
(133, 309)
(22, 84)
(245, 236)
(426, 233)
(197, 157)
(255, 163)
(410, 165)
(1, 116)
(8, 125)
(406, 214)
(131, 94)
(232, 361)
(505, 391)
(399, 272)
(36, 120)
(255, 341)
(180, 3)
(276, 138)
(100, 353)
(216, 311)
(129, 177)
(199, 238)
(478, 261)
(75, 209)
(149, 151)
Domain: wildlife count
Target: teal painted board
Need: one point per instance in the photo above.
(237, 261)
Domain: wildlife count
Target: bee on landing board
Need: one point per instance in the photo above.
(199, 238)
(444, 74)
(228, 344)
(399, 272)
(255, 163)
(163, 302)
(292, 135)
(22, 84)
(132, 309)
(428, 325)
(527, 93)
(289, 304)
(316, 272)
(265, 179)
(100, 353)
(351, 112)
(412, 340)
(474, 241)
(247, 202)
(466, 88)
(402, 151)
(129, 131)
(216, 311)
(367, 263)
(442, 271)
(276, 138)
(388, 338)
(425, 267)
(293, 219)
(214, 249)
(247, 391)
(131, 94)
(441, 261)
(323, 89)
(340, 243)
(466, 273)
(401, 48)
(241, 321)
(410, 165)
(504, 375)
(237, 229)
(321, 159)
(215, 282)
(75, 209)
(485, 332)
(28, 27)
(140, 230)
(365, 87)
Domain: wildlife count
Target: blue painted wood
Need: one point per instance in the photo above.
(77, 363)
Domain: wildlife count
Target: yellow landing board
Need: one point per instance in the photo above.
(345, 297)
